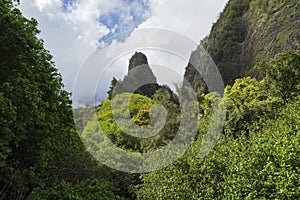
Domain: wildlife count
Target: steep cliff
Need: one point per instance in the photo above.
(247, 32)
(139, 79)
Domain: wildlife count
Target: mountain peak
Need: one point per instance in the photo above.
(139, 79)
(136, 60)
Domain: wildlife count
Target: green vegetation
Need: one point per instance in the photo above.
(137, 103)
(247, 32)
(256, 157)
(283, 73)
(247, 100)
(137, 113)
(87, 189)
(264, 165)
(41, 155)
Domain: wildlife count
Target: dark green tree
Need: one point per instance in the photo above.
(38, 142)
(87, 189)
(282, 74)
(112, 86)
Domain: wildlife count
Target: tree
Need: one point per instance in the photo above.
(112, 86)
(87, 189)
(39, 144)
(247, 100)
(126, 110)
(264, 165)
(282, 73)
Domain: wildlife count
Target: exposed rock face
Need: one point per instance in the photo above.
(139, 79)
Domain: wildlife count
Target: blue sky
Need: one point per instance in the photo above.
(66, 3)
(73, 29)
(114, 20)
(120, 19)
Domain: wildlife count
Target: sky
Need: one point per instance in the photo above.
(92, 40)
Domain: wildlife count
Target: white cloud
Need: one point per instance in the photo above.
(46, 4)
(192, 18)
(83, 15)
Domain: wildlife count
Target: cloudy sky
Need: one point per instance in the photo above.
(92, 40)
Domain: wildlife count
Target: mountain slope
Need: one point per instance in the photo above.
(247, 32)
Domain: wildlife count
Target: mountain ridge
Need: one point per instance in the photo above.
(246, 33)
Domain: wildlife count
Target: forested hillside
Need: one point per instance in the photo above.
(249, 31)
(41, 154)
(255, 44)
(258, 156)
(140, 90)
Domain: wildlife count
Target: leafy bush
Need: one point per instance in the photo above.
(87, 189)
(264, 165)
(247, 101)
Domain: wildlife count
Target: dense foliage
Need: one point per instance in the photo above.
(263, 165)
(41, 155)
(137, 113)
(257, 156)
(283, 74)
(246, 32)
(137, 104)
(87, 189)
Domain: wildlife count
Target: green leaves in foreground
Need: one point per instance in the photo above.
(87, 189)
(263, 165)
(259, 153)
(39, 147)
